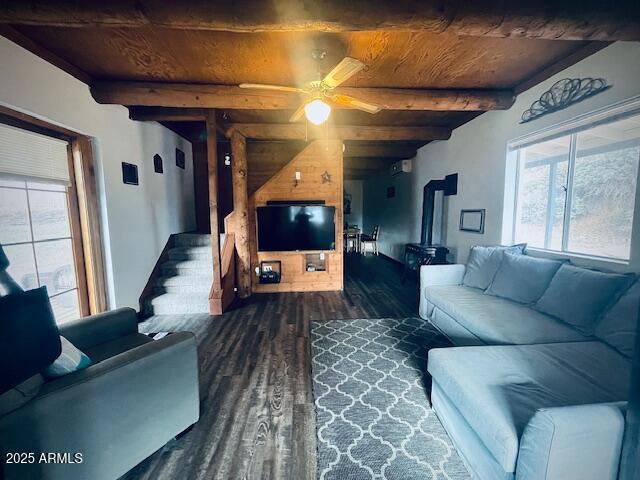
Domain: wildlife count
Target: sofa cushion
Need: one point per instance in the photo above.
(619, 326)
(498, 389)
(483, 264)
(29, 338)
(70, 360)
(522, 278)
(115, 347)
(580, 296)
(577, 441)
(496, 320)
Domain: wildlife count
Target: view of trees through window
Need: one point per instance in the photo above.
(36, 236)
(576, 193)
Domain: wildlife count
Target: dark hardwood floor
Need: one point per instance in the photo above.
(257, 418)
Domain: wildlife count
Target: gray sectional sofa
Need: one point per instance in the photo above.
(535, 386)
(138, 395)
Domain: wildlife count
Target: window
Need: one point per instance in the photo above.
(35, 232)
(575, 193)
(41, 229)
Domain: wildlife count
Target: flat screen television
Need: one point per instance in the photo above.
(286, 228)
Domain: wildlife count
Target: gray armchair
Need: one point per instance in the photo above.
(138, 395)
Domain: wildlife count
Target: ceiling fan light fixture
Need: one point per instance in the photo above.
(317, 111)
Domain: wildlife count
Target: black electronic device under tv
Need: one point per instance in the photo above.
(292, 228)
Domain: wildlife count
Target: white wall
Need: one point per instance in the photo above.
(354, 188)
(136, 220)
(395, 216)
(477, 151)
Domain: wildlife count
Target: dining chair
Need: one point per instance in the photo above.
(370, 242)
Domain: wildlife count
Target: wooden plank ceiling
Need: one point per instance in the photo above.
(133, 51)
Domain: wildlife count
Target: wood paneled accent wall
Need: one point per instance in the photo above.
(201, 185)
(318, 157)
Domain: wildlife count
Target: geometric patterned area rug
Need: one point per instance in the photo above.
(373, 416)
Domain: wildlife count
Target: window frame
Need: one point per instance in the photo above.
(83, 207)
(571, 129)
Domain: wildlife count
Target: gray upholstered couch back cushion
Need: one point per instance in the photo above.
(619, 325)
(522, 278)
(483, 264)
(579, 296)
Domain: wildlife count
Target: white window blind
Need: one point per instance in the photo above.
(25, 154)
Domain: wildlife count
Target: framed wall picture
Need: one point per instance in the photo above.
(472, 220)
(179, 158)
(129, 173)
(157, 163)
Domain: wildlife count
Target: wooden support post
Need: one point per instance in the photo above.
(241, 211)
(215, 306)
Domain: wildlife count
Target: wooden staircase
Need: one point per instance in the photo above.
(182, 282)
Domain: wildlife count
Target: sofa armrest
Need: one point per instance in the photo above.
(89, 331)
(582, 441)
(115, 413)
(431, 275)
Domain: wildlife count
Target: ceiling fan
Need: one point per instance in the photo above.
(317, 107)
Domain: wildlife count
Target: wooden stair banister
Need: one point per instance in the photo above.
(221, 296)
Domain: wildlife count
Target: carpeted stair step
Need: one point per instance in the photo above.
(177, 304)
(187, 267)
(190, 253)
(184, 284)
(192, 240)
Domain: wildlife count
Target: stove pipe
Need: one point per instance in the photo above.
(449, 186)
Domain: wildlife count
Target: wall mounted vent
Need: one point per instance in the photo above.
(403, 166)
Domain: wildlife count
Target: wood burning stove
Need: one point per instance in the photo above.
(425, 252)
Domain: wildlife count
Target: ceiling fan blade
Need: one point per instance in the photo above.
(342, 72)
(279, 88)
(352, 102)
(297, 115)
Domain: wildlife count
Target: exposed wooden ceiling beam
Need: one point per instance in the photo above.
(395, 150)
(360, 174)
(293, 131)
(163, 114)
(373, 163)
(433, 99)
(586, 20)
(182, 95)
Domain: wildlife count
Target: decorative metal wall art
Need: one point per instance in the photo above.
(563, 93)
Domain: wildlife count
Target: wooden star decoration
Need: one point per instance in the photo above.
(326, 177)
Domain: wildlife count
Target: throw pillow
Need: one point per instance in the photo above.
(522, 278)
(579, 296)
(70, 360)
(483, 264)
(29, 337)
(619, 326)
